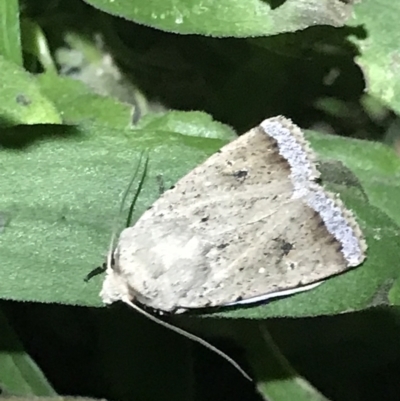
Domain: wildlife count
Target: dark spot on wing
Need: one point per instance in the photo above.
(286, 247)
(241, 174)
(283, 245)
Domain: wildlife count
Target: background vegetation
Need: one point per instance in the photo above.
(86, 86)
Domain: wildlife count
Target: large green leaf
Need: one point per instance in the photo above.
(229, 17)
(69, 179)
(60, 195)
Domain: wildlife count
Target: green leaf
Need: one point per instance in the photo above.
(34, 42)
(18, 372)
(10, 40)
(229, 17)
(21, 101)
(78, 104)
(61, 214)
(276, 379)
(194, 123)
(394, 292)
(376, 166)
(379, 47)
(13, 398)
(341, 355)
(60, 222)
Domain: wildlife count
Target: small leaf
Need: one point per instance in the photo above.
(193, 123)
(21, 101)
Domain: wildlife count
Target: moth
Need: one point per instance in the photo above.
(250, 223)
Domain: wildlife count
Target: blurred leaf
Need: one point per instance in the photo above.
(14, 398)
(18, 372)
(21, 101)
(353, 356)
(35, 43)
(78, 104)
(380, 57)
(10, 40)
(229, 17)
(394, 292)
(194, 123)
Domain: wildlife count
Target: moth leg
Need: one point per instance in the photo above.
(95, 272)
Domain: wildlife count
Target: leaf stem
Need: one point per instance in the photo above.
(276, 379)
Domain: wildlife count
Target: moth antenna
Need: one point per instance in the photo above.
(188, 335)
(139, 188)
(145, 154)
